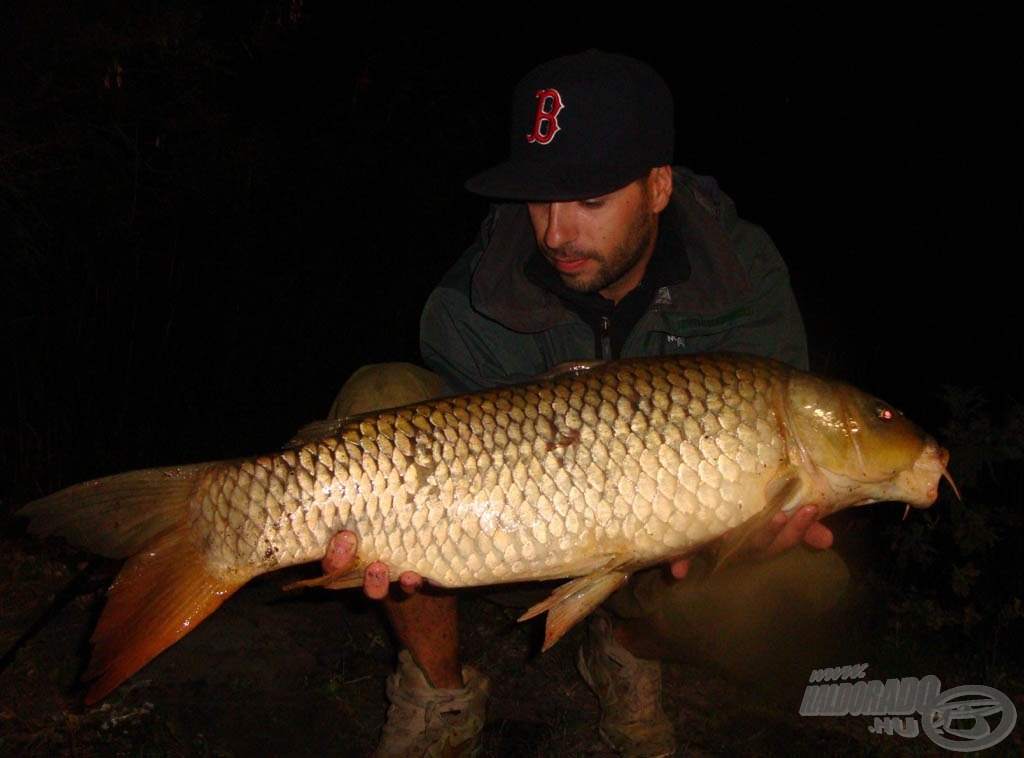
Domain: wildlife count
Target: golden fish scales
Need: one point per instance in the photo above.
(537, 481)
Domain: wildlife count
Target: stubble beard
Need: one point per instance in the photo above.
(621, 261)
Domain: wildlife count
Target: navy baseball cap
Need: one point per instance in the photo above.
(583, 125)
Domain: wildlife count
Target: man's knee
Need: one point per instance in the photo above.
(744, 608)
(385, 385)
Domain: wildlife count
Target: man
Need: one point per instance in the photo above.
(600, 250)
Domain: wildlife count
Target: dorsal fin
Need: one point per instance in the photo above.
(569, 367)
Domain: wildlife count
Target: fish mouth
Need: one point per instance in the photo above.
(931, 468)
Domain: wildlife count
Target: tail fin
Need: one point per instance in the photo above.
(161, 594)
(166, 587)
(117, 515)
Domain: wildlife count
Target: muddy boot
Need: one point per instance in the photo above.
(629, 690)
(425, 721)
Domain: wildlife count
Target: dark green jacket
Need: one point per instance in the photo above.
(488, 324)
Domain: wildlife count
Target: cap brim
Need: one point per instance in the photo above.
(537, 181)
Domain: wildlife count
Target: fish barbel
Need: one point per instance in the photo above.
(588, 474)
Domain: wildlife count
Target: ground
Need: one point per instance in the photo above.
(296, 674)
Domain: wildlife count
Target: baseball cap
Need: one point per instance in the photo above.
(583, 125)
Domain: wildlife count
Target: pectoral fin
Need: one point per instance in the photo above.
(783, 494)
(574, 601)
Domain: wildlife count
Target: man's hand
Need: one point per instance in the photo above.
(780, 534)
(784, 532)
(341, 558)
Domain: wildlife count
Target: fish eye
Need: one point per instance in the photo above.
(885, 412)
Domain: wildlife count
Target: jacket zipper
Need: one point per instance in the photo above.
(606, 338)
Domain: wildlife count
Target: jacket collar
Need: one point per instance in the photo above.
(695, 267)
(668, 266)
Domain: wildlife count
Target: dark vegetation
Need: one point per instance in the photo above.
(210, 214)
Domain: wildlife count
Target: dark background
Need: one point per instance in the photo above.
(211, 213)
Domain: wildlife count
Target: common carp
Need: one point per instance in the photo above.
(587, 474)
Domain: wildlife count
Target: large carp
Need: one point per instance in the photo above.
(590, 473)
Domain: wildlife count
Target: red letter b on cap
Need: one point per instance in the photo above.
(545, 125)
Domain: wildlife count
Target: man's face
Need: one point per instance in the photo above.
(602, 244)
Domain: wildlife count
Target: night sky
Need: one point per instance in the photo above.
(211, 217)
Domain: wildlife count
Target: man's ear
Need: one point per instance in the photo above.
(659, 184)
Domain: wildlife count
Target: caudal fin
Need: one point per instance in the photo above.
(160, 595)
(117, 515)
(165, 588)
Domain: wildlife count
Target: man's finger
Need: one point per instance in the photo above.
(410, 582)
(793, 531)
(341, 554)
(679, 569)
(819, 536)
(376, 579)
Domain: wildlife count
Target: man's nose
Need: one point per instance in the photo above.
(560, 229)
